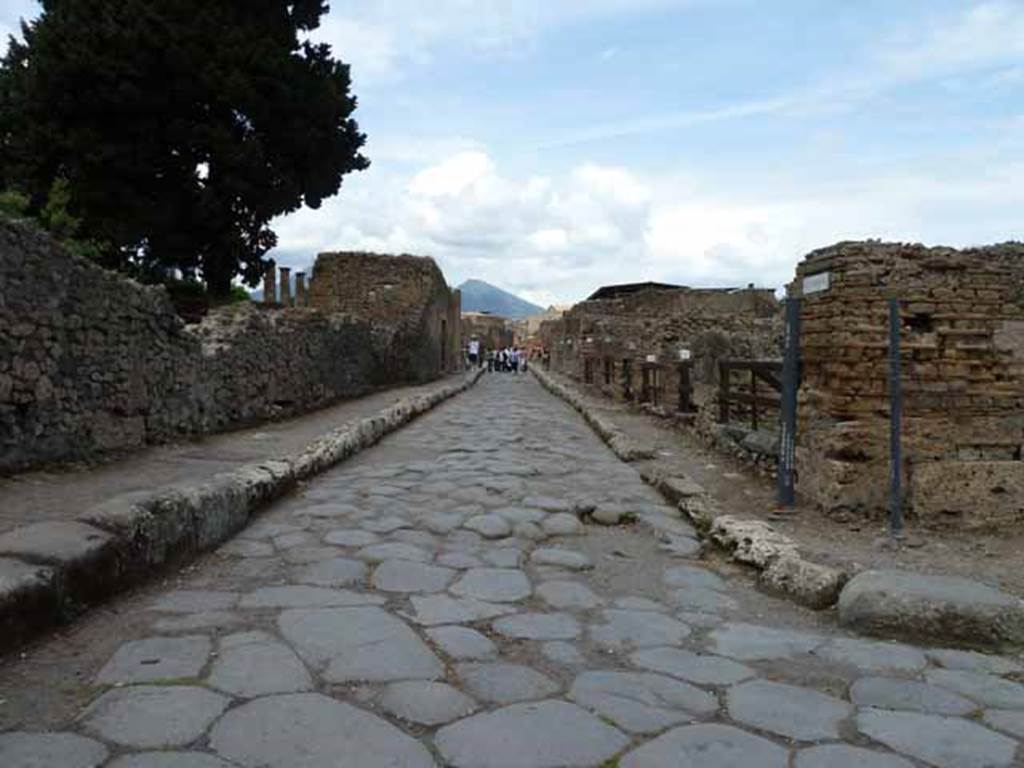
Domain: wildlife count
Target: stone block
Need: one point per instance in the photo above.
(810, 584)
(936, 608)
(970, 494)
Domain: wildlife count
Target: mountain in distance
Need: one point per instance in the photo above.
(478, 296)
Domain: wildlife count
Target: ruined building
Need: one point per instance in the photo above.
(493, 331)
(405, 298)
(628, 339)
(962, 346)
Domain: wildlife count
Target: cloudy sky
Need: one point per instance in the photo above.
(551, 146)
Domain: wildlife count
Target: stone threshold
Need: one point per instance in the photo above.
(885, 603)
(52, 571)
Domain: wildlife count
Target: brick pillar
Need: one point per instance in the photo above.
(286, 286)
(270, 284)
(300, 289)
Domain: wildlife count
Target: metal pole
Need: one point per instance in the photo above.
(895, 421)
(790, 384)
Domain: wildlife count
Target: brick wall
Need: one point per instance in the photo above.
(405, 298)
(962, 317)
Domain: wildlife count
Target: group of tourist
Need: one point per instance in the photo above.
(508, 360)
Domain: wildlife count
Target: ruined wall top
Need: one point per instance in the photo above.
(375, 286)
(682, 301)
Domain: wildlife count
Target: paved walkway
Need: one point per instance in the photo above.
(62, 495)
(437, 601)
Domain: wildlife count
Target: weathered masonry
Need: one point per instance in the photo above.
(628, 340)
(962, 345)
(92, 362)
(405, 298)
(492, 331)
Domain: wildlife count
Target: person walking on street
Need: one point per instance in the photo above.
(474, 352)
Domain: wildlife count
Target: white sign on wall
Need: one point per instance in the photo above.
(816, 283)
(684, 354)
(652, 358)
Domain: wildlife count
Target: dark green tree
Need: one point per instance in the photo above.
(182, 127)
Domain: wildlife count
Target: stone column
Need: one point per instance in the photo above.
(270, 284)
(286, 286)
(300, 289)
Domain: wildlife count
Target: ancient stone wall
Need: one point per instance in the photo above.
(606, 341)
(404, 297)
(91, 361)
(962, 345)
(492, 331)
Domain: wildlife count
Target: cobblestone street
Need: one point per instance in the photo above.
(455, 596)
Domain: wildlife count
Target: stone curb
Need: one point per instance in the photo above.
(49, 569)
(749, 541)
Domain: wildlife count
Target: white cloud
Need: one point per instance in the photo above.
(556, 239)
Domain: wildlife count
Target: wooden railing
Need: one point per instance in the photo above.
(745, 397)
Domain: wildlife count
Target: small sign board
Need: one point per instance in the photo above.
(816, 283)
(652, 358)
(684, 354)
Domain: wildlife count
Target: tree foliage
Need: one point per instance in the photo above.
(181, 128)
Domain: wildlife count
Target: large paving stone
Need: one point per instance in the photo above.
(845, 756)
(410, 576)
(156, 658)
(701, 599)
(195, 600)
(561, 558)
(359, 644)
(622, 630)
(170, 760)
(498, 585)
(463, 643)
(1009, 721)
(538, 626)
(313, 731)
(707, 746)
(942, 608)
(703, 669)
(974, 661)
(301, 596)
(545, 734)
(425, 703)
(22, 749)
(335, 572)
(692, 577)
(393, 550)
(503, 683)
(352, 537)
(252, 664)
(641, 702)
(568, 594)
(750, 642)
(490, 526)
(872, 656)
(431, 610)
(562, 524)
(796, 713)
(442, 522)
(153, 717)
(888, 693)
(563, 653)
(987, 689)
(190, 622)
(385, 524)
(945, 742)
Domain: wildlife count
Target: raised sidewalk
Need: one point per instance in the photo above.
(68, 539)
